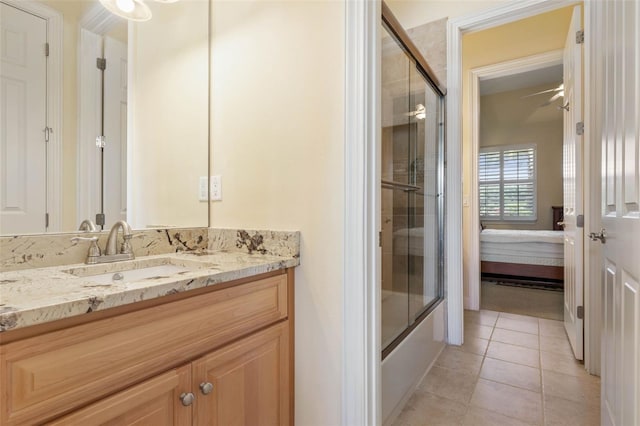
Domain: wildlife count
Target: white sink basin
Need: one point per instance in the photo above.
(136, 270)
(162, 271)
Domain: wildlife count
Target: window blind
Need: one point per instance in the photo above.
(507, 184)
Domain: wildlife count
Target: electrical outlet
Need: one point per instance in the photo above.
(216, 188)
(203, 190)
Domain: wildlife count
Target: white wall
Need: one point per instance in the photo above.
(509, 119)
(168, 106)
(278, 142)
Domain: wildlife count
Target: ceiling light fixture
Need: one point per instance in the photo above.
(133, 10)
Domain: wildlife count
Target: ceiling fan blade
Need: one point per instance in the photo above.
(555, 89)
(552, 99)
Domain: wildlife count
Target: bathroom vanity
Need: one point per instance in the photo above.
(206, 338)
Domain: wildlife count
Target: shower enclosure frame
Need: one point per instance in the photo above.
(391, 24)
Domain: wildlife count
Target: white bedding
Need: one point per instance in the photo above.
(525, 247)
(521, 236)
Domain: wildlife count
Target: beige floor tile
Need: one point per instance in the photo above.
(517, 325)
(562, 412)
(515, 354)
(552, 328)
(459, 361)
(517, 317)
(558, 345)
(584, 389)
(508, 400)
(515, 338)
(480, 417)
(559, 363)
(474, 345)
(449, 384)
(511, 374)
(478, 331)
(483, 317)
(427, 409)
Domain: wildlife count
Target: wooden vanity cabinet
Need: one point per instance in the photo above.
(153, 402)
(222, 357)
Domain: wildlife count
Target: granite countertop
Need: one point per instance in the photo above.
(35, 296)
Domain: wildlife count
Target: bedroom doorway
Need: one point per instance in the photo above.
(519, 165)
(524, 115)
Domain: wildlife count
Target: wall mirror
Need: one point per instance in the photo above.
(102, 115)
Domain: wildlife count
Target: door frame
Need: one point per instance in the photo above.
(54, 106)
(361, 351)
(456, 28)
(501, 69)
(98, 21)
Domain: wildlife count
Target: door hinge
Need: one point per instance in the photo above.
(46, 220)
(380, 239)
(101, 63)
(580, 128)
(579, 36)
(580, 221)
(580, 312)
(100, 142)
(46, 49)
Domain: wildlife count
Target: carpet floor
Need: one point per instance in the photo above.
(522, 300)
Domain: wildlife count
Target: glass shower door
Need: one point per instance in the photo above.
(411, 193)
(394, 198)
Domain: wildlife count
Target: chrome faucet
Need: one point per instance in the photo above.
(88, 226)
(111, 253)
(126, 252)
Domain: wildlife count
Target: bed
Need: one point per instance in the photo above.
(522, 254)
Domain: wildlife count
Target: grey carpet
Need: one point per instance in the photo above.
(521, 300)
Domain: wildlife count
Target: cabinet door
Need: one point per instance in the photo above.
(250, 381)
(154, 402)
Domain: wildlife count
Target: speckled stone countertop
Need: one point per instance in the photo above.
(35, 296)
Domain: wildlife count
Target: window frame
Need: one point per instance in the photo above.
(534, 180)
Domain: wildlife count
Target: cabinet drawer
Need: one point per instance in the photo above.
(52, 374)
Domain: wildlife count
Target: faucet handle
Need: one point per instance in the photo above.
(94, 250)
(126, 245)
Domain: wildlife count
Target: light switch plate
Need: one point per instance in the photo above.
(216, 188)
(202, 189)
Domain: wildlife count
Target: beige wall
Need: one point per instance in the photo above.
(507, 119)
(169, 109)
(542, 33)
(278, 142)
(412, 13)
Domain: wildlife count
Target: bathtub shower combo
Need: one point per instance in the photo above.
(412, 200)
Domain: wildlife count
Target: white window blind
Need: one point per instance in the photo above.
(507, 180)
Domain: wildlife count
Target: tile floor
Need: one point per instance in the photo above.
(512, 370)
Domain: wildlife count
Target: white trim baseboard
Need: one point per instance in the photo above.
(502, 14)
(501, 69)
(361, 391)
(54, 106)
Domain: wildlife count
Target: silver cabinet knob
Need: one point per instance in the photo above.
(187, 398)
(206, 388)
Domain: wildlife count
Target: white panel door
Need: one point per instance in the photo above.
(115, 132)
(23, 158)
(572, 183)
(617, 53)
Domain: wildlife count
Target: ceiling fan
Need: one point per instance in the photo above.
(558, 92)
